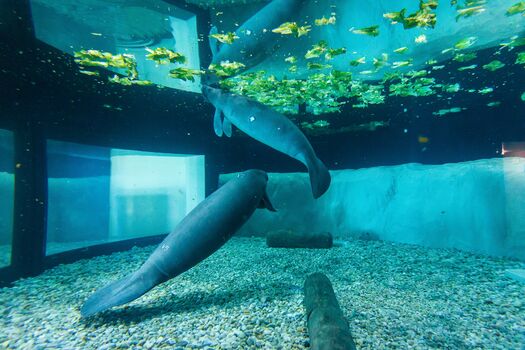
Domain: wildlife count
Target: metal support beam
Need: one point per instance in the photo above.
(30, 207)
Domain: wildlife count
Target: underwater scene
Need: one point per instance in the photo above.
(262, 174)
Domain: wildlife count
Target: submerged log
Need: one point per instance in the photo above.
(327, 327)
(292, 239)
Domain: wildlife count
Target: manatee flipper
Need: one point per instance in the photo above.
(214, 43)
(319, 177)
(116, 293)
(265, 203)
(217, 122)
(227, 127)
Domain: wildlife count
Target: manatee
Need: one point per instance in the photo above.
(269, 127)
(204, 230)
(256, 40)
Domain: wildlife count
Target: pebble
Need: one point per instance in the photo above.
(248, 296)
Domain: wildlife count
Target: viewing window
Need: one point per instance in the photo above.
(100, 195)
(7, 189)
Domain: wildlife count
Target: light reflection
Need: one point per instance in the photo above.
(513, 149)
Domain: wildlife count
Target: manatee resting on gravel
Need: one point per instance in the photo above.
(204, 230)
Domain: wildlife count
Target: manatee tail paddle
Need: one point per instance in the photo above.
(116, 293)
(319, 177)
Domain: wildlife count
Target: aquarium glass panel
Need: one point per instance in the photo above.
(78, 195)
(99, 195)
(151, 192)
(7, 181)
(119, 28)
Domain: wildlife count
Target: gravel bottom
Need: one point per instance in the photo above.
(248, 296)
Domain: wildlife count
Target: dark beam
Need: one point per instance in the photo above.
(30, 206)
(203, 30)
(16, 25)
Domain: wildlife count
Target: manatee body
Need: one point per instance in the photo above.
(204, 230)
(256, 40)
(269, 127)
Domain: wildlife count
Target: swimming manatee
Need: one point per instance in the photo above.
(204, 230)
(256, 41)
(269, 127)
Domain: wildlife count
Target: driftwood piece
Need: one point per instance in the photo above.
(327, 327)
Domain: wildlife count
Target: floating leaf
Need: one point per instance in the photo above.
(372, 31)
(95, 58)
(399, 64)
(227, 38)
(451, 88)
(226, 68)
(465, 57)
(395, 17)
(162, 55)
(358, 61)
(515, 42)
(291, 59)
(486, 90)
(317, 50)
(290, 28)
(424, 17)
(128, 82)
(443, 112)
(381, 61)
(520, 58)
(311, 65)
(88, 72)
(518, 7)
(334, 52)
(421, 39)
(465, 43)
(185, 74)
(401, 50)
(469, 11)
(473, 66)
(325, 21)
(494, 65)
(317, 124)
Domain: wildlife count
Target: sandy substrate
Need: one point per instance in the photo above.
(249, 296)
